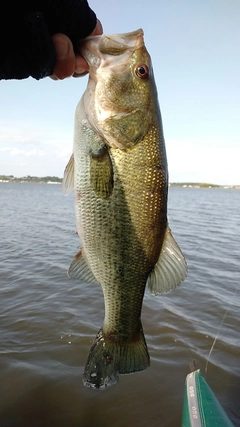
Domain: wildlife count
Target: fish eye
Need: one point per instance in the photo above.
(142, 71)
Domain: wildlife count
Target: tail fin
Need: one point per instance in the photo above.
(108, 358)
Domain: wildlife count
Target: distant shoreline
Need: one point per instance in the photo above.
(55, 180)
(31, 179)
(201, 185)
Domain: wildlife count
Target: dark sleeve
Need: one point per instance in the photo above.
(26, 27)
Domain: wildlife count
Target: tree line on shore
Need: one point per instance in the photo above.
(30, 179)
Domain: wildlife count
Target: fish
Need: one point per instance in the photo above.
(119, 174)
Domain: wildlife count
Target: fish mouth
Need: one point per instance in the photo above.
(97, 50)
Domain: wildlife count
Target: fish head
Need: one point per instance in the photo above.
(119, 99)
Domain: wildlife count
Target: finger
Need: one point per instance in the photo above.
(81, 66)
(65, 57)
(98, 30)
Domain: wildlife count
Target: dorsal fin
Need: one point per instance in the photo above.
(170, 269)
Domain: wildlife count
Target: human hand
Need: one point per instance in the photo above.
(68, 63)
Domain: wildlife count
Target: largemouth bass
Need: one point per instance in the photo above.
(119, 174)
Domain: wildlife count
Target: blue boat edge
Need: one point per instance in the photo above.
(201, 407)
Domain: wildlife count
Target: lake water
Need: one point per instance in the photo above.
(48, 321)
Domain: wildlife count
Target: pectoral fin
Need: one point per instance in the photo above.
(171, 268)
(79, 269)
(101, 172)
(68, 178)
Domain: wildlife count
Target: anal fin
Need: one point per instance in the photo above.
(79, 269)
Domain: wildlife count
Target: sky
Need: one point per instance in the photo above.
(195, 50)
